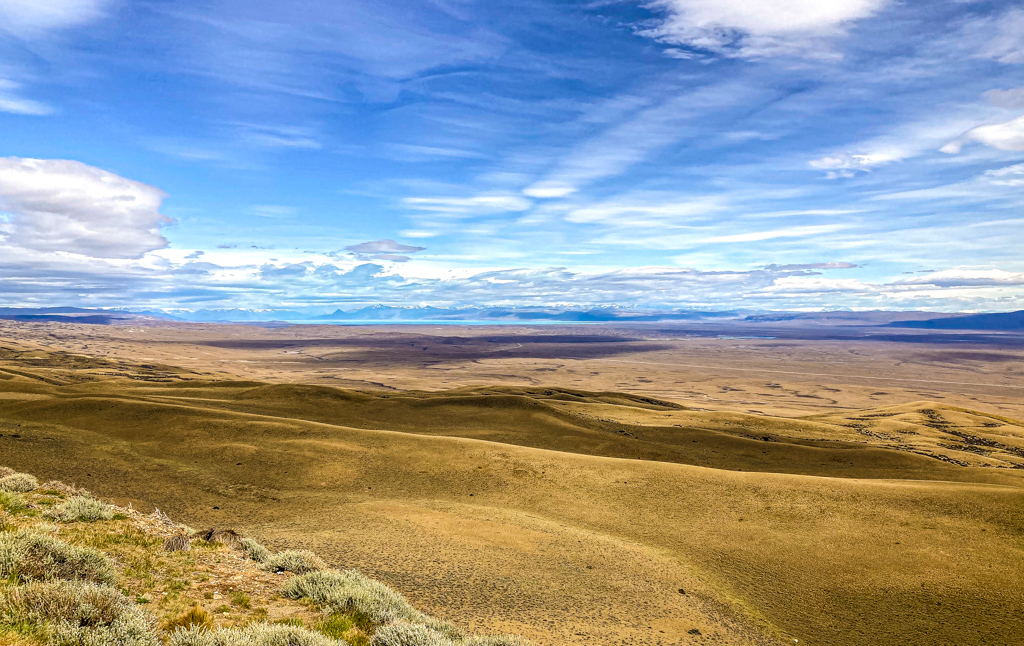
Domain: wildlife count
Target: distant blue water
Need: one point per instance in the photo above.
(443, 322)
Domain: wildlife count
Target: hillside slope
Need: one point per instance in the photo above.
(472, 519)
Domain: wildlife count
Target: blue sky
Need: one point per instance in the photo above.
(720, 154)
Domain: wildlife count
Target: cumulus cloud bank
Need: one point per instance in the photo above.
(63, 205)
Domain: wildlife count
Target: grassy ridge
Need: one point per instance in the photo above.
(76, 571)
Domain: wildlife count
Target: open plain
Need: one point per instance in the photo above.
(718, 483)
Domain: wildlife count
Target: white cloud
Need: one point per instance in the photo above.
(273, 210)
(757, 28)
(1003, 136)
(966, 278)
(419, 233)
(11, 102)
(651, 213)
(1008, 176)
(817, 285)
(32, 18)
(383, 250)
(62, 205)
(548, 190)
(468, 205)
(791, 232)
(902, 142)
(1001, 37)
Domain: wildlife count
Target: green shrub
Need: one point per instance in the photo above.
(256, 634)
(80, 508)
(28, 556)
(78, 613)
(19, 482)
(241, 599)
(351, 592)
(402, 633)
(12, 502)
(255, 551)
(295, 561)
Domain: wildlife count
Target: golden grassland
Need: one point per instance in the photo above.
(570, 515)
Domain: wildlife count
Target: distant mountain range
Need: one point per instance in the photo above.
(1001, 322)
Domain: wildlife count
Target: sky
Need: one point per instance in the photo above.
(695, 154)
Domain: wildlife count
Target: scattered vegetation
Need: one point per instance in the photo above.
(126, 579)
(19, 482)
(80, 508)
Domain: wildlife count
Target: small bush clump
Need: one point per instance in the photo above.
(256, 634)
(255, 551)
(78, 613)
(402, 633)
(80, 508)
(352, 592)
(19, 482)
(27, 556)
(295, 561)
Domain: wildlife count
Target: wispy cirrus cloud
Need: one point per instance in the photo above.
(28, 19)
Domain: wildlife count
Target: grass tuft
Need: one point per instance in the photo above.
(12, 502)
(196, 616)
(80, 508)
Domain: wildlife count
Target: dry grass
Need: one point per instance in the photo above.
(195, 617)
(178, 543)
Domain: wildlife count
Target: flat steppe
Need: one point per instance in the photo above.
(657, 484)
